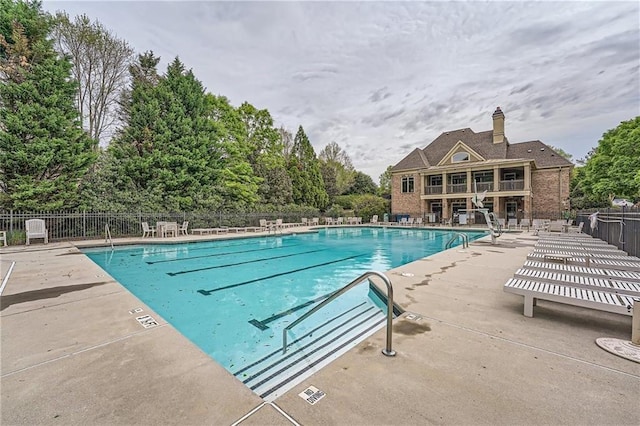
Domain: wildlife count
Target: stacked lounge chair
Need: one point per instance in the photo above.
(593, 275)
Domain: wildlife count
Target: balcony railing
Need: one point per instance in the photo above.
(461, 188)
(457, 188)
(484, 186)
(433, 189)
(511, 185)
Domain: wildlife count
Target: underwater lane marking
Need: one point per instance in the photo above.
(208, 292)
(205, 247)
(188, 271)
(261, 323)
(218, 254)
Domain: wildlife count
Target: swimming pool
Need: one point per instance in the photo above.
(233, 297)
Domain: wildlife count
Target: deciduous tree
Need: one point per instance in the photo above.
(612, 170)
(100, 63)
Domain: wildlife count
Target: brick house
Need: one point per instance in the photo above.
(525, 179)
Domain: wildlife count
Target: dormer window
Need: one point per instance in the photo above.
(459, 157)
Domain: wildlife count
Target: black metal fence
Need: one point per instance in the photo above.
(617, 226)
(65, 226)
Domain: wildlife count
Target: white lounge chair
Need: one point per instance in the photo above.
(512, 223)
(36, 228)
(525, 223)
(571, 295)
(374, 219)
(315, 221)
(3, 237)
(147, 231)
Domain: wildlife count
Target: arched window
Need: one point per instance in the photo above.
(460, 156)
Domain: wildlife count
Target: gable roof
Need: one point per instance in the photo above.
(415, 160)
(459, 147)
(481, 143)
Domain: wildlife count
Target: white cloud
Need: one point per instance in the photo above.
(381, 78)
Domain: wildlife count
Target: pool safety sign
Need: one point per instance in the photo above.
(147, 321)
(312, 395)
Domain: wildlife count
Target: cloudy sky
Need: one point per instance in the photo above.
(382, 78)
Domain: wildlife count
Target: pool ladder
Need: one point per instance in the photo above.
(107, 235)
(387, 350)
(465, 240)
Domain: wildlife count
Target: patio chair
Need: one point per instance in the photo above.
(183, 228)
(3, 237)
(36, 228)
(418, 221)
(557, 226)
(512, 222)
(525, 223)
(374, 219)
(147, 231)
(576, 229)
(328, 220)
(315, 221)
(170, 228)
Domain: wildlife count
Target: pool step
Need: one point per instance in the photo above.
(276, 373)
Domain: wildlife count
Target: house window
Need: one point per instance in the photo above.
(457, 206)
(483, 176)
(435, 180)
(458, 178)
(460, 156)
(407, 184)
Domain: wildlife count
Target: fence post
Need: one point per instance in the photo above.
(11, 221)
(84, 224)
(622, 228)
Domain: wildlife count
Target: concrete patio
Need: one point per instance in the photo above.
(72, 353)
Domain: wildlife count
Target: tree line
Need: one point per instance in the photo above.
(85, 123)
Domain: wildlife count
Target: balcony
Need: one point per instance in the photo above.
(484, 186)
(457, 188)
(433, 189)
(511, 185)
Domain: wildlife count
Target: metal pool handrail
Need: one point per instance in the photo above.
(107, 235)
(387, 350)
(465, 240)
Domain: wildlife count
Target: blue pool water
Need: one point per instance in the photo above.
(233, 298)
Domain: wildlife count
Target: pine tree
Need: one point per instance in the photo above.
(170, 145)
(43, 150)
(304, 170)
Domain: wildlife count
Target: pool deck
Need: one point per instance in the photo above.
(72, 353)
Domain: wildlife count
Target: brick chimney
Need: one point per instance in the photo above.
(498, 126)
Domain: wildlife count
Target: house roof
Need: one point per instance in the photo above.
(482, 143)
(542, 154)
